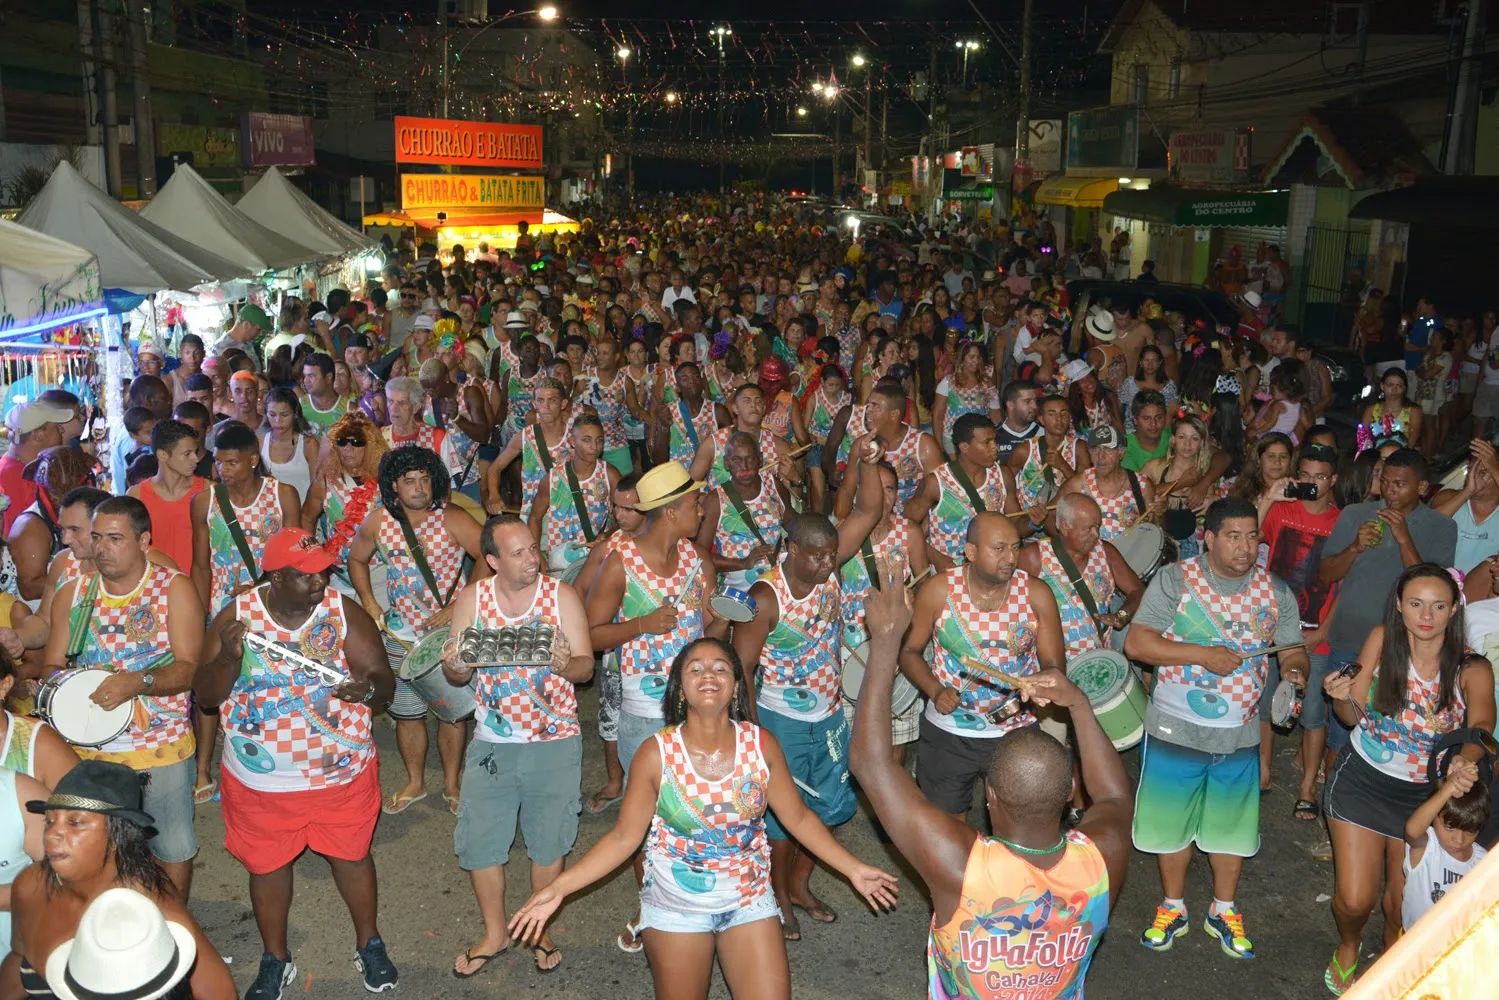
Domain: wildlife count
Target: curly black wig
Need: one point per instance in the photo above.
(412, 458)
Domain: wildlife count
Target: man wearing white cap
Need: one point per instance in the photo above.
(34, 427)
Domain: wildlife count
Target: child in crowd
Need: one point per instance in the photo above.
(1439, 840)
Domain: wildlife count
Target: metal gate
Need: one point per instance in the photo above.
(1328, 286)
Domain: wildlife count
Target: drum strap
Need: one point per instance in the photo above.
(974, 500)
(541, 450)
(1075, 577)
(414, 546)
(1134, 486)
(687, 423)
(742, 509)
(226, 511)
(579, 504)
(82, 614)
(1047, 472)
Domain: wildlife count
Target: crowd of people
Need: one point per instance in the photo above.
(802, 505)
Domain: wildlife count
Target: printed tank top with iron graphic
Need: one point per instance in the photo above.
(801, 661)
(1079, 631)
(1242, 622)
(283, 729)
(905, 459)
(128, 633)
(891, 553)
(1038, 480)
(684, 441)
(608, 401)
(563, 526)
(706, 852)
(645, 660)
(1020, 932)
(1004, 639)
(947, 522)
(523, 704)
(720, 473)
(735, 538)
(1118, 511)
(259, 521)
(534, 467)
(1400, 745)
(411, 599)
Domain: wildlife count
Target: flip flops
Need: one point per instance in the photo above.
(1306, 810)
(635, 945)
(1337, 979)
(596, 804)
(483, 961)
(397, 804)
(540, 952)
(205, 793)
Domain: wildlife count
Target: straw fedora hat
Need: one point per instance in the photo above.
(663, 484)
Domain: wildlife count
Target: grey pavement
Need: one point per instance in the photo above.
(428, 916)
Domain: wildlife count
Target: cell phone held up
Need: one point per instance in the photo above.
(1301, 491)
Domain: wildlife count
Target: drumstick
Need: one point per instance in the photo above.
(1009, 680)
(806, 788)
(1272, 649)
(910, 584)
(1024, 513)
(793, 453)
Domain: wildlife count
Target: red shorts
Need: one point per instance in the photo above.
(268, 830)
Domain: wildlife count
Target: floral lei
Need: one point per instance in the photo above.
(355, 512)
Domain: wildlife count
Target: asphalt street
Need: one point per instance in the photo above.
(428, 916)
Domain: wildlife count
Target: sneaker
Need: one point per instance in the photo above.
(379, 973)
(274, 975)
(1170, 924)
(1228, 928)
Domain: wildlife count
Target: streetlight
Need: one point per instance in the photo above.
(720, 33)
(623, 54)
(547, 12)
(801, 111)
(966, 45)
(859, 62)
(671, 97)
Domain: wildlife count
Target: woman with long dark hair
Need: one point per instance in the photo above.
(696, 795)
(1412, 685)
(95, 839)
(287, 445)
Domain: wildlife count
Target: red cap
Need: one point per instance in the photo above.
(772, 370)
(293, 548)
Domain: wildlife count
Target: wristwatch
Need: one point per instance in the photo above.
(148, 679)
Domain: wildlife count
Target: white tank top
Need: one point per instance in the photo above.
(295, 473)
(13, 857)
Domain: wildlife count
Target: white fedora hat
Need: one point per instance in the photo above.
(124, 950)
(1101, 325)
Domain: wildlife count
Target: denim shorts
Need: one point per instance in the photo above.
(535, 783)
(656, 918)
(631, 732)
(168, 797)
(817, 756)
(1314, 707)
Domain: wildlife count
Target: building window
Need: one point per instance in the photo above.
(1174, 84)
(1141, 83)
(1345, 19)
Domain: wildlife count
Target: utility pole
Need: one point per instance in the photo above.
(868, 119)
(720, 33)
(442, 23)
(145, 134)
(884, 129)
(931, 123)
(106, 79)
(1023, 141)
(90, 69)
(1462, 136)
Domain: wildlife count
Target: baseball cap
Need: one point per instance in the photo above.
(27, 417)
(255, 316)
(293, 548)
(359, 340)
(423, 322)
(1103, 436)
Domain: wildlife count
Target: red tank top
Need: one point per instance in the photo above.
(172, 521)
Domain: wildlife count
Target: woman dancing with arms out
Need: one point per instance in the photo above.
(697, 796)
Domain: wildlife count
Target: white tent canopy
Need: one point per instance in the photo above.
(44, 281)
(135, 255)
(189, 206)
(278, 204)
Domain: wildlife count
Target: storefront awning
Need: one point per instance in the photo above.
(1076, 192)
(1176, 206)
(1458, 202)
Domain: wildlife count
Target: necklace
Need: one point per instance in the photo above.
(1034, 851)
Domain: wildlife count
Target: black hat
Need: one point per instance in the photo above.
(382, 366)
(359, 340)
(99, 786)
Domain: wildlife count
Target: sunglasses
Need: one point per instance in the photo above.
(350, 442)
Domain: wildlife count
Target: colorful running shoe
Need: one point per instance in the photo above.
(1228, 928)
(1170, 924)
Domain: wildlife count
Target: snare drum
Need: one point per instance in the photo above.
(1143, 548)
(421, 668)
(732, 604)
(1114, 690)
(65, 703)
(1285, 705)
(902, 698)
